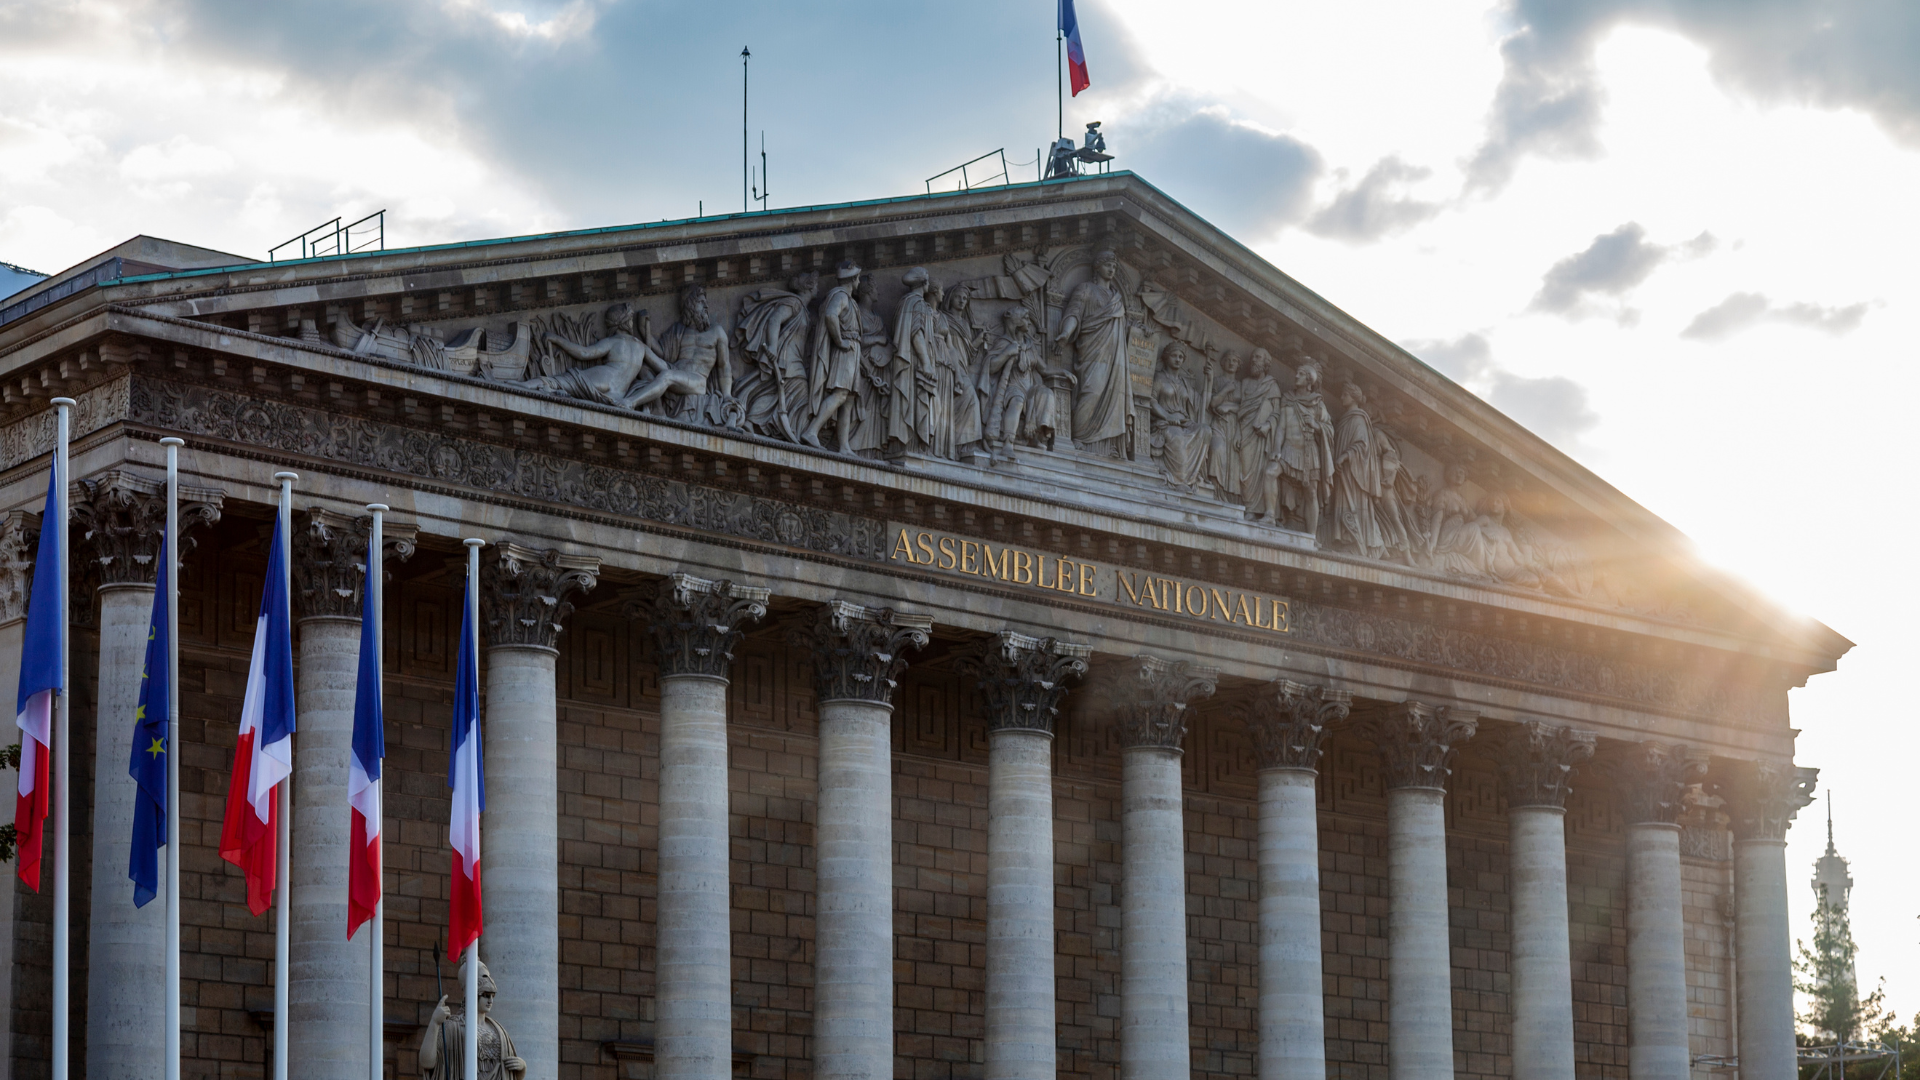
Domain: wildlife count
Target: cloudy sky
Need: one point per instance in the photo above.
(1672, 236)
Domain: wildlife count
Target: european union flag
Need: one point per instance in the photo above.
(150, 746)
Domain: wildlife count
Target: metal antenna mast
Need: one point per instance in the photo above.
(745, 56)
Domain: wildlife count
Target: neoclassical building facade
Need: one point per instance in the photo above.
(1014, 633)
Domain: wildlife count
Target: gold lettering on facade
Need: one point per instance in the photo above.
(1059, 574)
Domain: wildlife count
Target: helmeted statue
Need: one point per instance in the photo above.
(443, 1046)
(1095, 320)
(1304, 481)
(834, 374)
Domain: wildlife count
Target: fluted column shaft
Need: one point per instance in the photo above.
(694, 1017)
(326, 973)
(1764, 797)
(127, 948)
(1293, 1042)
(1542, 960)
(1656, 955)
(1020, 989)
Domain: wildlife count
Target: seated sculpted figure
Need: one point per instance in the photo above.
(693, 362)
(443, 1047)
(628, 353)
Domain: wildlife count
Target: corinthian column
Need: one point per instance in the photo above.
(523, 600)
(1288, 723)
(695, 624)
(119, 520)
(326, 973)
(1536, 763)
(1153, 697)
(1023, 680)
(856, 660)
(1763, 797)
(1654, 780)
(1416, 745)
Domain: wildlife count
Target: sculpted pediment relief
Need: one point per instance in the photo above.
(1066, 367)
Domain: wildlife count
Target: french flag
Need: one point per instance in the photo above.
(1076, 56)
(363, 767)
(468, 781)
(263, 758)
(40, 682)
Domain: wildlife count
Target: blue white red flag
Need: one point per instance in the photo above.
(41, 679)
(467, 778)
(151, 744)
(263, 757)
(1076, 56)
(363, 767)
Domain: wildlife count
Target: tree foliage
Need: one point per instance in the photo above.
(1824, 972)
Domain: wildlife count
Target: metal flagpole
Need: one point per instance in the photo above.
(1059, 80)
(283, 842)
(62, 759)
(172, 557)
(744, 57)
(376, 945)
(472, 1041)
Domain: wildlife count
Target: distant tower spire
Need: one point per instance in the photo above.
(1830, 870)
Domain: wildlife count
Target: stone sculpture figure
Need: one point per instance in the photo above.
(1399, 528)
(956, 422)
(1020, 405)
(693, 354)
(834, 373)
(1256, 440)
(627, 350)
(1356, 476)
(1179, 420)
(1448, 510)
(1223, 414)
(447, 1031)
(910, 378)
(773, 339)
(1485, 548)
(1095, 320)
(870, 389)
(1304, 481)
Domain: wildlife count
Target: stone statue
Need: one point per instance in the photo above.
(1304, 479)
(1399, 527)
(1356, 477)
(1179, 420)
(1020, 405)
(1223, 460)
(1448, 510)
(1485, 548)
(447, 1029)
(693, 353)
(910, 378)
(1256, 441)
(628, 354)
(955, 343)
(834, 373)
(1095, 320)
(870, 389)
(773, 340)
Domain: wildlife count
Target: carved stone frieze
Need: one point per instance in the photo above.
(120, 519)
(1697, 842)
(1653, 778)
(858, 651)
(1763, 796)
(93, 409)
(1288, 723)
(524, 591)
(330, 560)
(19, 531)
(1536, 761)
(1668, 689)
(1023, 678)
(437, 456)
(1152, 696)
(1417, 742)
(696, 622)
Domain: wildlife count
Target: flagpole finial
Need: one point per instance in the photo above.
(65, 401)
(173, 440)
(286, 476)
(472, 543)
(378, 508)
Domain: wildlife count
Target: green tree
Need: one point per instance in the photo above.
(1836, 1013)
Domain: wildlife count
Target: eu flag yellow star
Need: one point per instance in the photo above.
(158, 747)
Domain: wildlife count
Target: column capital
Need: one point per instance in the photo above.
(1654, 777)
(696, 622)
(1024, 678)
(119, 520)
(523, 592)
(19, 530)
(1763, 796)
(857, 650)
(1417, 741)
(1536, 761)
(330, 559)
(1153, 697)
(1288, 722)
